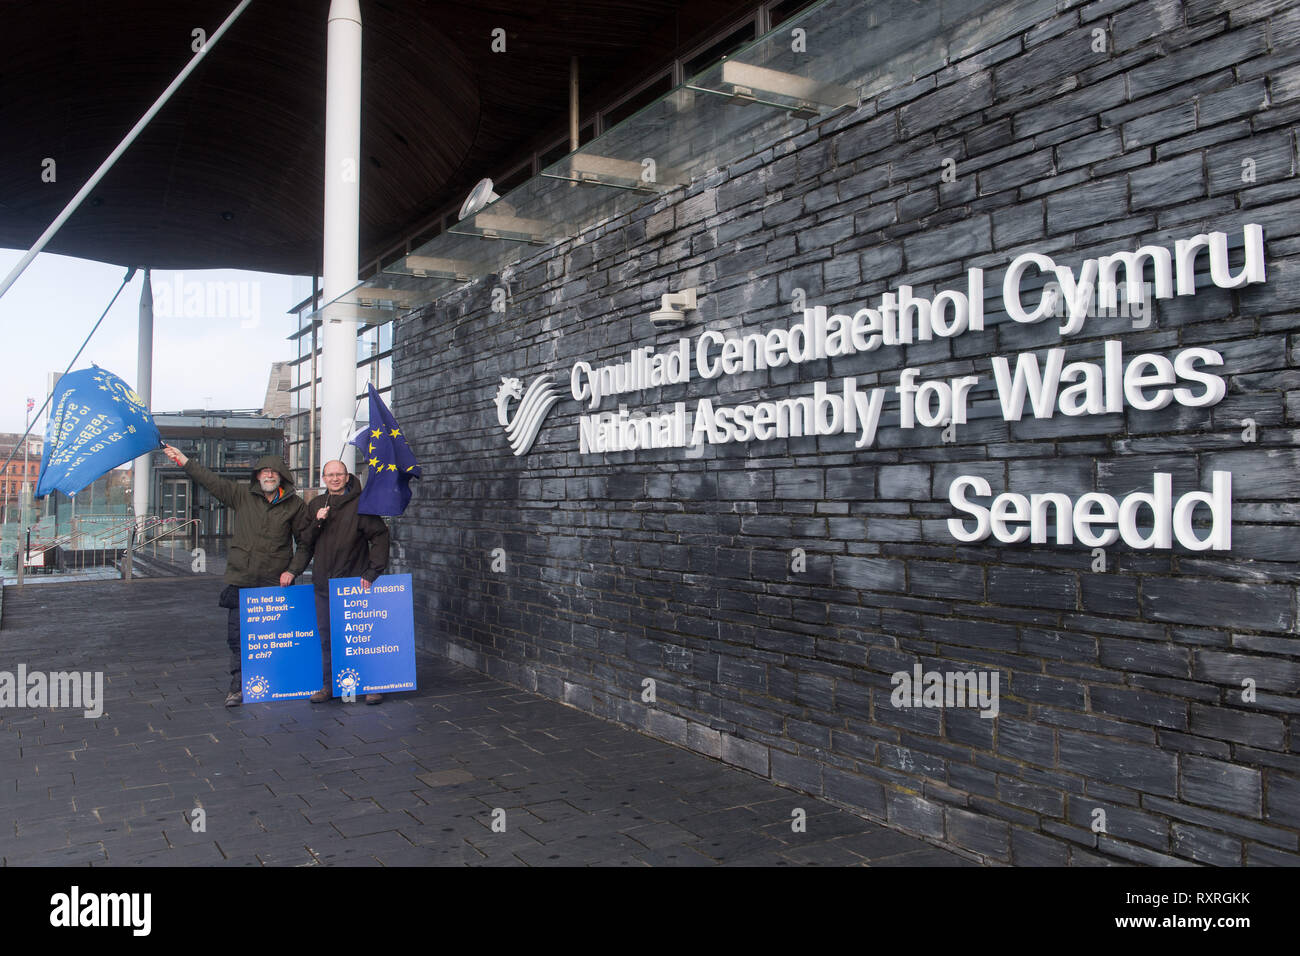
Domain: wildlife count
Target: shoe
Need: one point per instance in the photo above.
(234, 698)
(320, 696)
(374, 698)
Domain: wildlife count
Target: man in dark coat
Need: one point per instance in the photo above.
(343, 544)
(269, 516)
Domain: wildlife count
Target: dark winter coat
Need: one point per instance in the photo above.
(346, 544)
(261, 547)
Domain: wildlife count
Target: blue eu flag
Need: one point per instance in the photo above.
(390, 465)
(97, 422)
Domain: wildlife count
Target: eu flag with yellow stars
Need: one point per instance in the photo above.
(96, 423)
(390, 465)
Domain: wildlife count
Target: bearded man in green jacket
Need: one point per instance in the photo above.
(269, 517)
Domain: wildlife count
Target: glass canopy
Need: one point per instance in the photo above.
(829, 58)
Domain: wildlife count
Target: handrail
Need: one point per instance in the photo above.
(139, 533)
(169, 530)
(106, 516)
(111, 532)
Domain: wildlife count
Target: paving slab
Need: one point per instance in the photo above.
(427, 778)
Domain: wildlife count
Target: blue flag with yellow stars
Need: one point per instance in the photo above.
(390, 465)
(96, 423)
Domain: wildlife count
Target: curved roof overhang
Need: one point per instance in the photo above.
(230, 172)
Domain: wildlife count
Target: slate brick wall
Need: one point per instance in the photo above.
(1122, 689)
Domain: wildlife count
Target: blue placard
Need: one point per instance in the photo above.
(281, 652)
(372, 635)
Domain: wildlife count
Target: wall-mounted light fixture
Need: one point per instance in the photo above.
(672, 307)
(481, 195)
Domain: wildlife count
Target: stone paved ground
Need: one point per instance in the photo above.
(414, 781)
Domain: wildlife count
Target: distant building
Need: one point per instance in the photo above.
(278, 403)
(227, 442)
(302, 426)
(14, 475)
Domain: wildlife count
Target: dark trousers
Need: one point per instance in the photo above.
(232, 642)
(323, 632)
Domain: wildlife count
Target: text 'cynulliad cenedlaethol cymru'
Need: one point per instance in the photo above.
(1042, 383)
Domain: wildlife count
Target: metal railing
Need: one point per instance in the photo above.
(153, 530)
(109, 541)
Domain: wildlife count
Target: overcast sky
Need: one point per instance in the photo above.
(216, 332)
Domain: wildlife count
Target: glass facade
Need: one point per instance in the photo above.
(229, 443)
(374, 366)
(655, 136)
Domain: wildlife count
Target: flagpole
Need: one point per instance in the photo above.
(27, 484)
(355, 412)
(142, 468)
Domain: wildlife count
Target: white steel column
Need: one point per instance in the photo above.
(342, 218)
(144, 388)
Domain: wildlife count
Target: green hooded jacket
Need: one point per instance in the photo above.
(261, 547)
